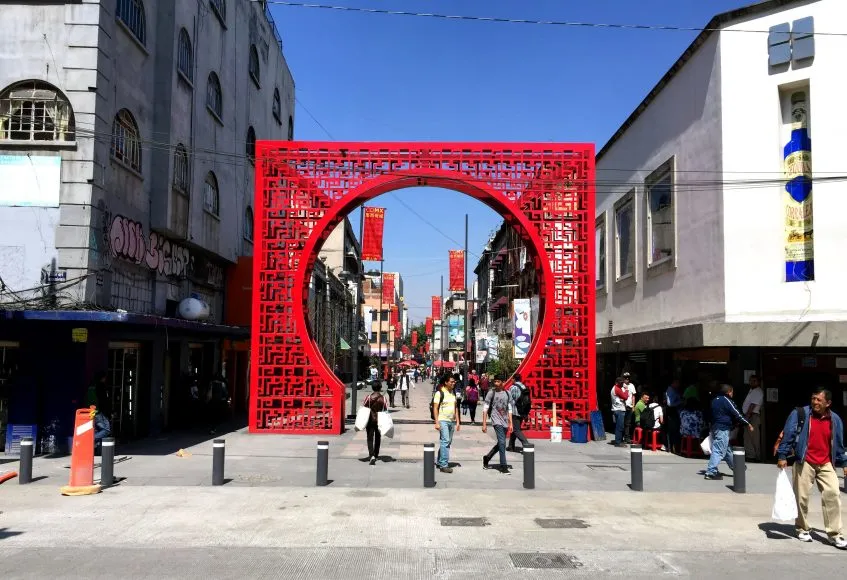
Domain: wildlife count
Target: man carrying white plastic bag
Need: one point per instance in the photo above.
(813, 437)
(784, 502)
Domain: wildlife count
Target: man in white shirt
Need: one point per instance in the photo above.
(752, 409)
(630, 406)
(619, 393)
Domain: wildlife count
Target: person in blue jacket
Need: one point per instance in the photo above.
(724, 415)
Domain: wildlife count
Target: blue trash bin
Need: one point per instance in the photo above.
(579, 431)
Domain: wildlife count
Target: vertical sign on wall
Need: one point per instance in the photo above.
(372, 236)
(457, 270)
(388, 289)
(523, 327)
(797, 198)
(395, 320)
(436, 307)
(428, 325)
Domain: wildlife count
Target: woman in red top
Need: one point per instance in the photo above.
(376, 403)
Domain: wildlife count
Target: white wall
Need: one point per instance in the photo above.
(753, 220)
(684, 122)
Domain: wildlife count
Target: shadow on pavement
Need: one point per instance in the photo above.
(172, 441)
(775, 531)
(7, 533)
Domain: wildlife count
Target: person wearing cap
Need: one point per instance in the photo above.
(724, 415)
(630, 408)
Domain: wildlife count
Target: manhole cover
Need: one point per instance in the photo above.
(605, 467)
(545, 561)
(465, 522)
(559, 523)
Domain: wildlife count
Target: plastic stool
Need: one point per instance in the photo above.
(637, 435)
(654, 444)
(690, 447)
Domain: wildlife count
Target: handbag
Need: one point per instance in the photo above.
(706, 445)
(784, 501)
(363, 415)
(385, 424)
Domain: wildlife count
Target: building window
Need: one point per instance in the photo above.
(219, 8)
(251, 145)
(211, 197)
(181, 169)
(384, 315)
(625, 237)
(185, 56)
(661, 229)
(131, 13)
(35, 111)
(374, 314)
(600, 251)
(248, 223)
(214, 97)
(290, 128)
(126, 142)
(384, 337)
(254, 64)
(277, 107)
(373, 336)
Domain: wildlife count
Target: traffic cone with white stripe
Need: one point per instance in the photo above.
(82, 455)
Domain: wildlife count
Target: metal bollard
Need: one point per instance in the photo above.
(636, 468)
(218, 449)
(529, 466)
(107, 462)
(739, 473)
(25, 475)
(429, 464)
(323, 464)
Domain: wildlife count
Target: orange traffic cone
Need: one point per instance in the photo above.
(82, 456)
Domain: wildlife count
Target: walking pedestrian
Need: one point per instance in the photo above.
(376, 403)
(498, 406)
(521, 407)
(814, 437)
(673, 405)
(392, 387)
(472, 399)
(752, 409)
(724, 415)
(445, 413)
(405, 385)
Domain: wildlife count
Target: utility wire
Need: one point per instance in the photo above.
(319, 124)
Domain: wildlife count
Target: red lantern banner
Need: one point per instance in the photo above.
(428, 325)
(414, 338)
(388, 288)
(457, 270)
(436, 307)
(372, 236)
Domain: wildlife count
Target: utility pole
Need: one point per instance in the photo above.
(467, 310)
(379, 317)
(357, 316)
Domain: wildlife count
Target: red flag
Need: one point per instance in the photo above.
(457, 270)
(388, 288)
(436, 307)
(414, 338)
(428, 325)
(372, 237)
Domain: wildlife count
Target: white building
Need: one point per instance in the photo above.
(127, 136)
(696, 276)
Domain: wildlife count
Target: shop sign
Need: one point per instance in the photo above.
(79, 335)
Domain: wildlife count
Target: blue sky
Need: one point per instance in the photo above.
(371, 77)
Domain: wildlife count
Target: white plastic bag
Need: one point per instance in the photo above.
(784, 502)
(363, 415)
(706, 445)
(385, 424)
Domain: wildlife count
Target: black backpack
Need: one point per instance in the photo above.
(647, 420)
(440, 395)
(524, 403)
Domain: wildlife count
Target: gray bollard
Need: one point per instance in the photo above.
(636, 468)
(429, 464)
(739, 473)
(529, 466)
(323, 464)
(107, 462)
(218, 449)
(25, 475)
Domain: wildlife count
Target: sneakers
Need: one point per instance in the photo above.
(485, 460)
(713, 476)
(805, 536)
(839, 542)
(445, 469)
(504, 470)
(373, 461)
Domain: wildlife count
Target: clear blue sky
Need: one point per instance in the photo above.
(371, 77)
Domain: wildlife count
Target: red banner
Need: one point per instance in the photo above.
(427, 346)
(404, 349)
(414, 338)
(388, 289)
(457, 270)
(372, 237)
(428, 325)
(436, 307)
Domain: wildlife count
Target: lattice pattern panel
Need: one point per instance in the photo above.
(303, 189)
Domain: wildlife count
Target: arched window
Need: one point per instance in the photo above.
(214, 98)
(131, 13)
(248, 223)
(126, 141)
(277, 107)
(254, 64)
(219, 6)
(181, 169)
(185, 55)
(211, 197)
(290, 128)
(251, 144)
(35, 111)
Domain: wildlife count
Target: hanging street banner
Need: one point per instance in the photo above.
(372, 236)
(428, 325)
(523, 326)
(436, 307)
(395, 320)
(797, 197)
(414, 338)
(388, 289)
(457, 270)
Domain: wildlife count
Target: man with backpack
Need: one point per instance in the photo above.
(724, 415)
(521, 407)
(445, 414)
(650, 419)
(498, 406)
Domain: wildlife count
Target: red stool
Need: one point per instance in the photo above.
(690, 447)
(654, 444)
(637, 435)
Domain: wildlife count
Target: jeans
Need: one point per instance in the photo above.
(374, 438)
(627, 421)
(405, 398)
(517, 432)
(500, 446)
(720, 451)
(472, 410)
(447, 430)
(619, 424)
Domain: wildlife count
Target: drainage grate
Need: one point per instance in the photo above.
(602, 467)
(547, 561)
(562, 524)
(465, 522)
(408, 461)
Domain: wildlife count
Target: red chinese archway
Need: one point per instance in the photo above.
(304, 189)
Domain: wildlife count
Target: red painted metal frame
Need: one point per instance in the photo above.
(303, 189)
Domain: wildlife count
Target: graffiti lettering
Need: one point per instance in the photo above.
(127, 241)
